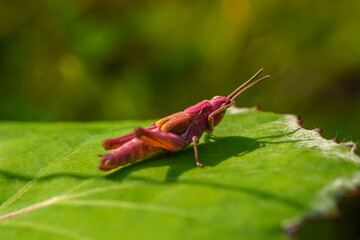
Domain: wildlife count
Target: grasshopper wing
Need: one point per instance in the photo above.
(176, 123)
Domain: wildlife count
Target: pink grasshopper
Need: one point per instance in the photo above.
(173, 132)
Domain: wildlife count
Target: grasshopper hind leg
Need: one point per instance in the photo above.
(166, 140)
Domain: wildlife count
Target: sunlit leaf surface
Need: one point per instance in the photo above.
(261, 170)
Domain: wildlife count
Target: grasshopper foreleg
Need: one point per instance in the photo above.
(211, 117)
(214, 113)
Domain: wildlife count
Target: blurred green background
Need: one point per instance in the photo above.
(63, 60)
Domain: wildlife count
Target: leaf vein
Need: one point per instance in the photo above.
(129, 205)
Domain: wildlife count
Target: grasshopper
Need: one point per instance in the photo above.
(172, 133)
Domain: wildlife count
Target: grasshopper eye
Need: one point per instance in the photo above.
(216, 97)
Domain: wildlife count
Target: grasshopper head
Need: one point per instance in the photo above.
(218, 102)
(219, 105)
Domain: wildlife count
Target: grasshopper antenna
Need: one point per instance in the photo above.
(246, 85)
(250, 86)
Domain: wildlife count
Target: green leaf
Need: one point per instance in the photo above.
(261, 170)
